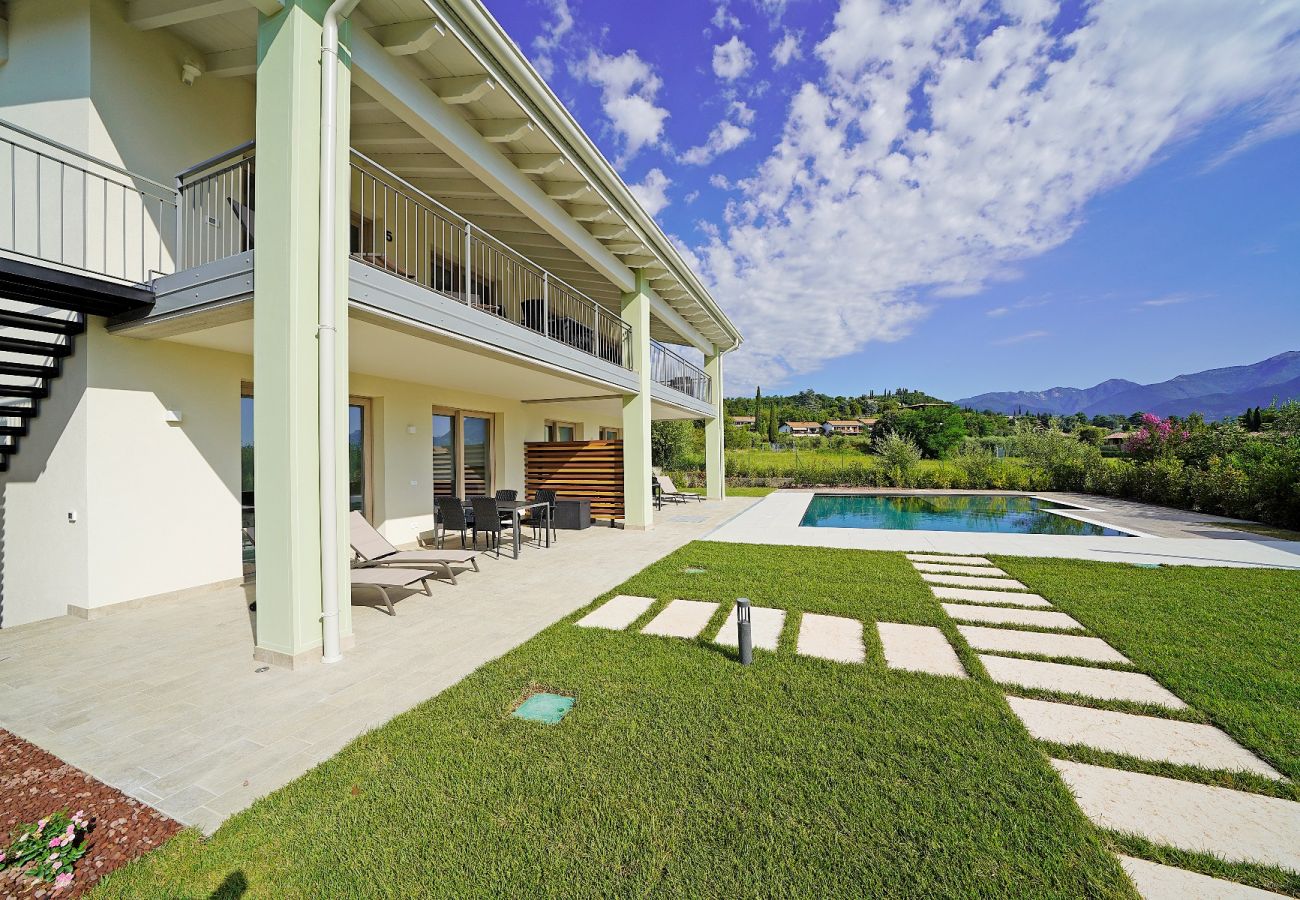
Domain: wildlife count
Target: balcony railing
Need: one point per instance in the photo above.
(72, 211)
(216, 202)
(680, 374)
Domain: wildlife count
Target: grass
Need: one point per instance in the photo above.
(678, 773)
(740, 491)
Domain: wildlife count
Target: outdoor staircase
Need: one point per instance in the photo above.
(34, 342)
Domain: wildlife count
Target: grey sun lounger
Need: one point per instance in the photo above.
(373, 549)
(382, 579)
(668, 491)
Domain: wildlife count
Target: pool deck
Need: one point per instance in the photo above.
(1163, 535)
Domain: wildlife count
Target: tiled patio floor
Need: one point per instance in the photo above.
(164, 702)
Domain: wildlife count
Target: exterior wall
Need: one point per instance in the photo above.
(45, 85)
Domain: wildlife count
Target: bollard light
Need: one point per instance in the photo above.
(743, 636)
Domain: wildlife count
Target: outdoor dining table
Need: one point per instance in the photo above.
(517, 508)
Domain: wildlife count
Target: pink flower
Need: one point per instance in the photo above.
(56, 842)
(62, 881)
(40, 826)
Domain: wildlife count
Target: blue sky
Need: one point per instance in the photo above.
(957, 196)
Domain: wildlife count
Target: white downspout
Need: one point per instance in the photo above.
(326, 332)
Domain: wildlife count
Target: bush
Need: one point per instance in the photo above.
(898, 454)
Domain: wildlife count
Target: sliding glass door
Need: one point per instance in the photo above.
(463, 453)
(445, 457)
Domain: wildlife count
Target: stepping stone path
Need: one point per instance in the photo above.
(616, 613)
(1157, 882)
(1100, 684)
(1145, 737)
(972, 595)
(972, 581)
(681, 618)
(1000, 616)
(1004, 640)
(831, 637)
(765, 626)
(1234, 825)
(919, 648)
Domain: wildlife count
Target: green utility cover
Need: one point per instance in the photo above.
(694, 570)
(548, 709)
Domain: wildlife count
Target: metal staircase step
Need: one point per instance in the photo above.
(37, 348)
(35, 322)
(13, 430)
(36, 391)
(18, 412)
(28, 370)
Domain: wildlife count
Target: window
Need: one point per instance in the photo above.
(463, 453)
(561, 431)
(611, 434)
(359, 452)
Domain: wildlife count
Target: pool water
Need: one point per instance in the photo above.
(948, 512)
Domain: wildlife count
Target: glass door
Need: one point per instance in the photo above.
(462, 454)
(477, 445)
(445, 464)
(359, 493)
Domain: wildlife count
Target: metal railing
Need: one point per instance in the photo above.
(73, 211)
(680, 374)
(216, 203)
(400, 229)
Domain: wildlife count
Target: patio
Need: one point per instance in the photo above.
(166, 703)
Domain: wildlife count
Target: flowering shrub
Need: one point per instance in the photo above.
(47, 850)
(1156, 437)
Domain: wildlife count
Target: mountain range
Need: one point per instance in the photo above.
(1214, 393)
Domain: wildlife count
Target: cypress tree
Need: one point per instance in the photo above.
(773, 424)
(758, 407)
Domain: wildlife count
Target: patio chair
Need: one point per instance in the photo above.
(373, 549)
(506, 494)
(451, 513)
(668, 491)
(487, 519)
(383, 580)
(535, 519)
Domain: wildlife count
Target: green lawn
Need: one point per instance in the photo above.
(678, 773)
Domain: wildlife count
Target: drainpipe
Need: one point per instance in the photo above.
(326, 332)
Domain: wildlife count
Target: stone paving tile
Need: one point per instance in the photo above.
(942, 559)
(1000, 616)
(971, 581)
(951, 569)
(1100, 684)
(919, 648)
(616, 613)
(1157, 882)
(765, 626)
(1233, 825)
(681, 618)
(831, 637)
(1005, 640)
(1145, 737)
(972, 595)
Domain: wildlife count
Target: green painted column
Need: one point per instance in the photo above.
(715, 463)
(638, 501)
(285, 315)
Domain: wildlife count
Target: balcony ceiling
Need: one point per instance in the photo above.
(456, 70)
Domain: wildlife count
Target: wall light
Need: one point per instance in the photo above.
(190, 70)
(410, 429)
(172, 416)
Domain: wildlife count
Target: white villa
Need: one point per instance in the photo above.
(396, 276)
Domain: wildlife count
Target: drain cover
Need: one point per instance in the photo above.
(694, 570)
(1145, 565)
(548, 709)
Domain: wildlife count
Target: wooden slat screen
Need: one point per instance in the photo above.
(590, 469)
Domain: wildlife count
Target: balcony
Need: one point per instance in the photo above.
(673, 371)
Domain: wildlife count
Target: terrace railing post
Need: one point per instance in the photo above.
(546, 303)
(469, 261)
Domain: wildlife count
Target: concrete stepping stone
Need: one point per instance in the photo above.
(616, 613)
(1232, 825)
(831, 637)
(1100, 684)
(1145, 737)
(1157, 882)
(945, 559)
(972, 595)
(1004, 640)
(681, 618)
(765, 626)
(1001, 616)
(950, 569)
(919, 648)
(971, 581)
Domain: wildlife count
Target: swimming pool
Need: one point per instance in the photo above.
(1006, 514)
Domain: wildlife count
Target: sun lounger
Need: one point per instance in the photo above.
(373, 549)
(383, 579)
(668, 491)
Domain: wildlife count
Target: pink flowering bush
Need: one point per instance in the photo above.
(47, 850)
(1156, 437)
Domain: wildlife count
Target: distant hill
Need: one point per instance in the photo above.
(1215, 393)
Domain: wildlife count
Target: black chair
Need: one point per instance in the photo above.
(543, 495)
(503, 495)
(487, 519)
(451, 513)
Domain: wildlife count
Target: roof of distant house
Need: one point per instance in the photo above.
(1117, 436)
(803, 424)
(843, 422)
(928, 403)
(868, 421)
(742, 418)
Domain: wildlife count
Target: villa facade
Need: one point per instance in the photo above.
(238, 300)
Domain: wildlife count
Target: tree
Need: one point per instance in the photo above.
(758, 407)
(898, 454)
(935, 429)
(670, 439)
(1090, 434)
(773, 424)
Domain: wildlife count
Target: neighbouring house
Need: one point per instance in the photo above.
(842, 426)
(223, 320)
(1116, 438)
(868, 424)
(743, 421)
(800, 429)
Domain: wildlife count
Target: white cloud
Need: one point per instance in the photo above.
(652, 191)
(998, 312)
(724, 19)
(869, 199)
(553, 32)
(628, 88)
(691, 197)
(1020, 338)
(720, 181)
(732, 59)
(728, 134)
(786, 50)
